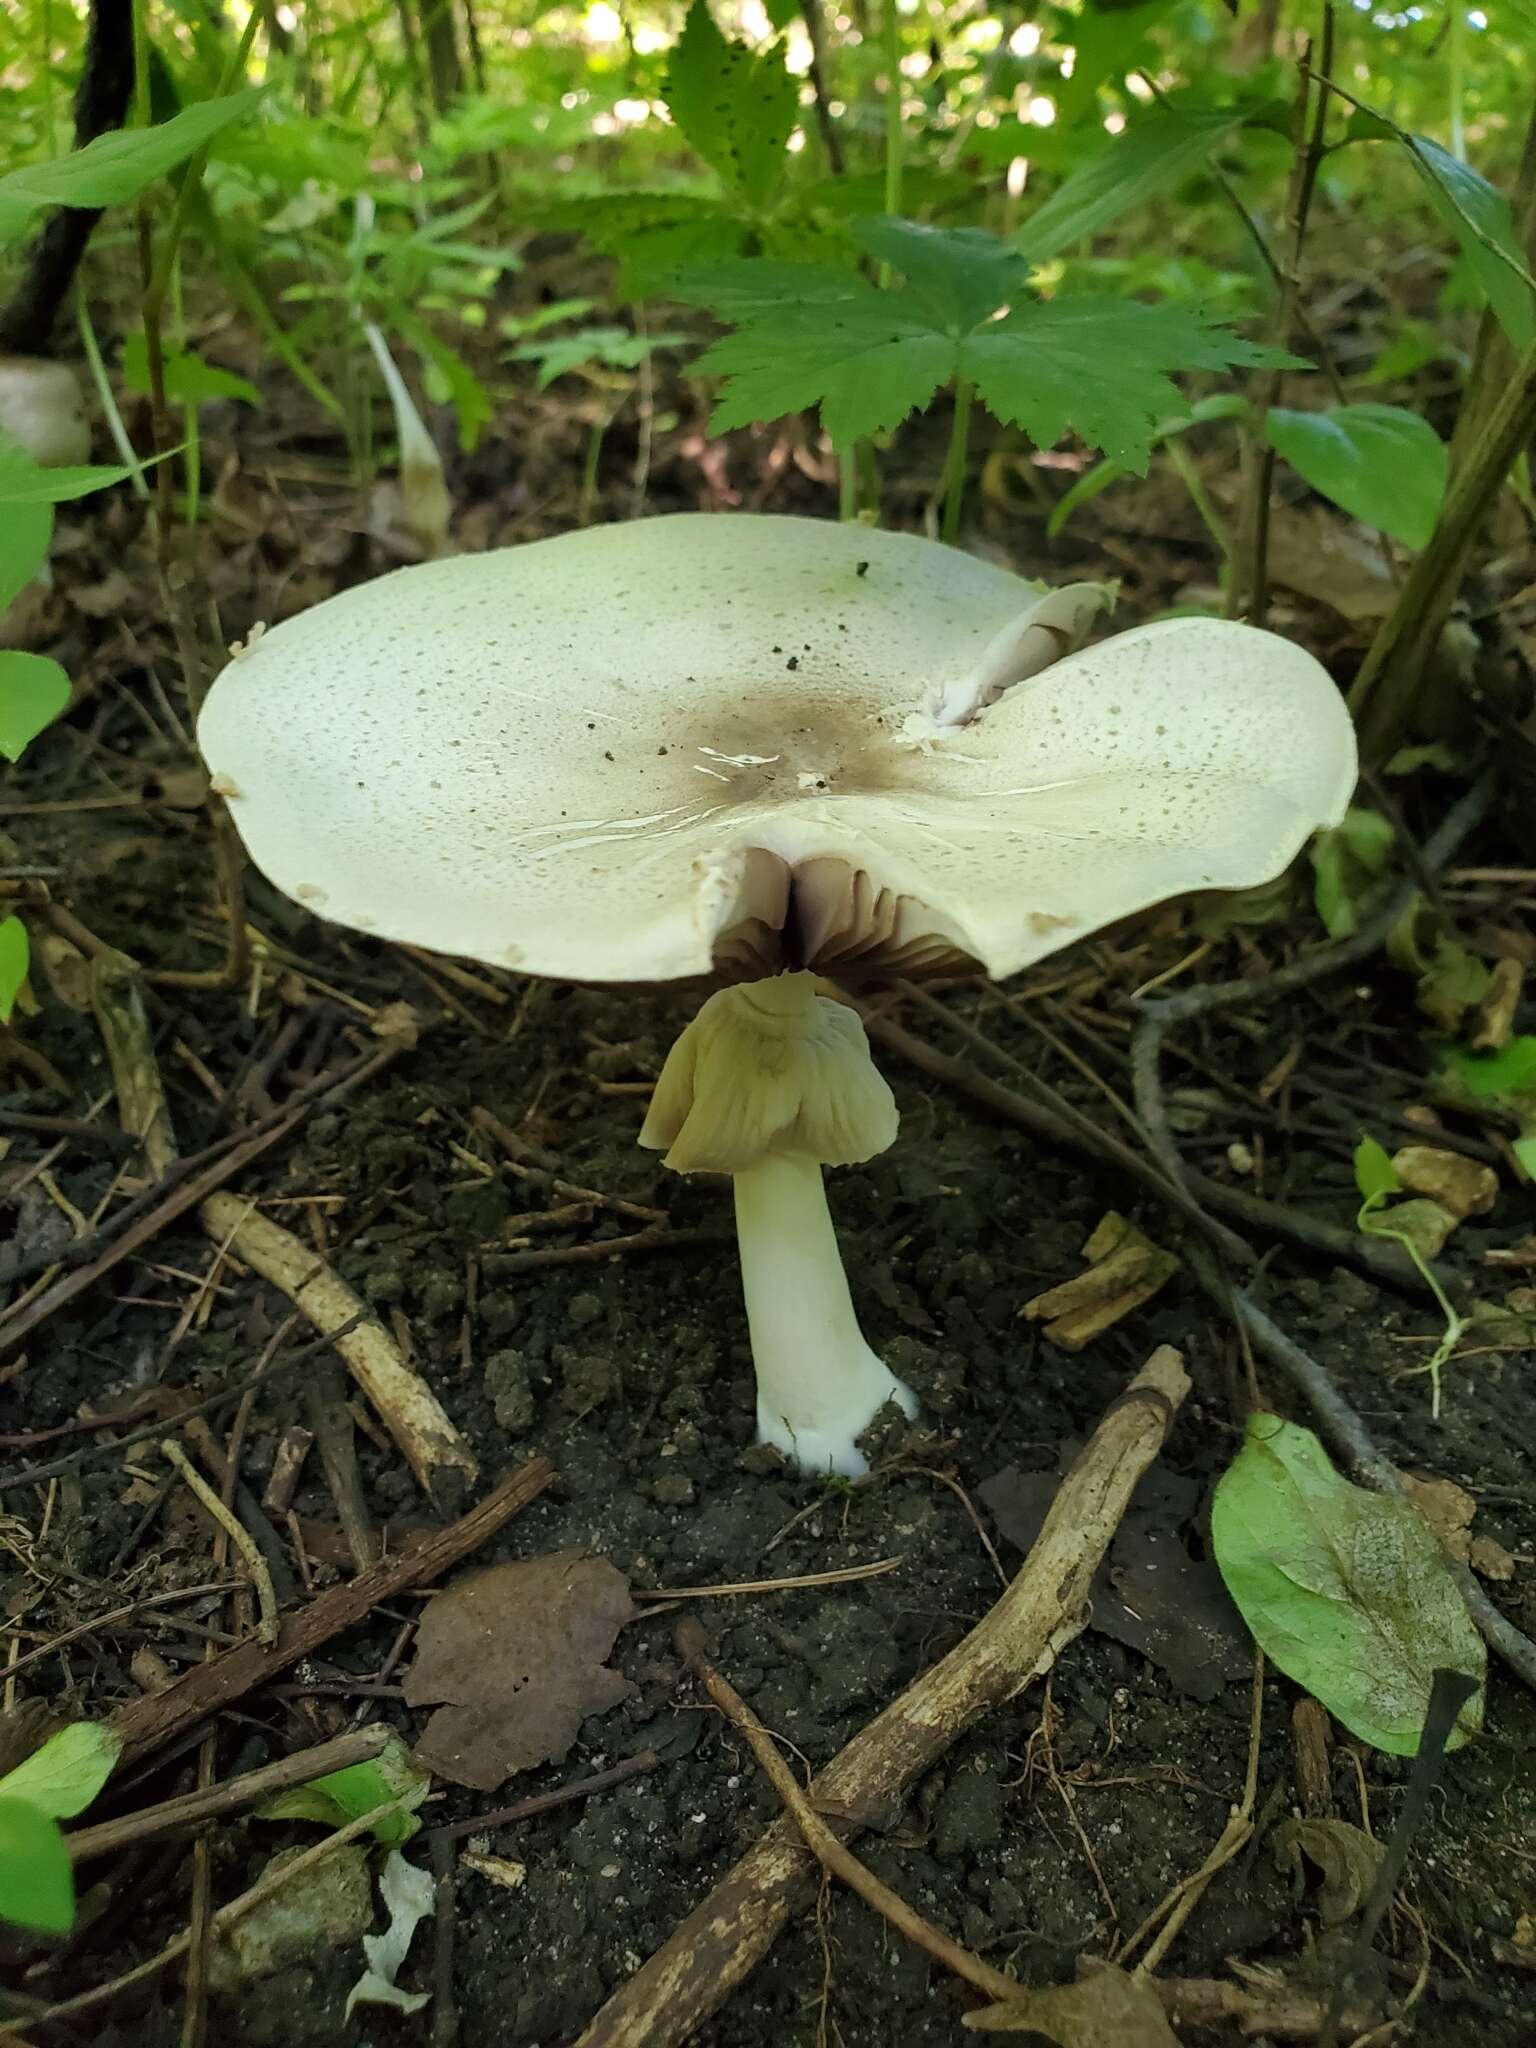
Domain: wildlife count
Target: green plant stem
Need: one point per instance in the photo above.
(1202, 500)
(1247, 590)
(892, 27)
(1369, 1224)
(848, 482)
(127, 454)
(954, 465)
(1383, 694)
(192, 177)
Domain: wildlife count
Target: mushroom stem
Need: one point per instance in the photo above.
(818, 1382)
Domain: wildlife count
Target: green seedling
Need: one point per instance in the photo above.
(58, 1781)
(1377, 1180)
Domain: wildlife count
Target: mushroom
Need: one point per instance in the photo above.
(770, 1082)
(42, 407)
(750, 747)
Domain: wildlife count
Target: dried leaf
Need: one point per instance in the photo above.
(1464, 1186)
(1107, 2010)
(1125, 1268)
(1347, 1856)
(519, 1654)
(1448, 1509)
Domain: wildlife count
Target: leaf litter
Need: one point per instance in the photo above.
(515, 1659)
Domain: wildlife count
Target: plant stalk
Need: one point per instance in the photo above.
(954, 464)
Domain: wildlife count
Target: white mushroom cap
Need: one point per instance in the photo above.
(43, 407)
(639, 752)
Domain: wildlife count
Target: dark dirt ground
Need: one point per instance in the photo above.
(1059, 1823)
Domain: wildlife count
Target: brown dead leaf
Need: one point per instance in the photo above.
(1448, 1509)
(1346, 1855)
(1125, 1268)
(1463, 1186)
(1107, 2010)
(114, 593)
(1490, 1560)
(519, 1654)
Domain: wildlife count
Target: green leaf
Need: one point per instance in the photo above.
(1378, 462)
(64, 1776)
(24, 536)
(33, 691)
(15, 959)
(1105, 44)
(1509, 1071)
(736, 108)
(866, 364)
(1147, 158)
(189, 380)
(346, 1795)
(1479, 216)
(1524, 1150)
(1346, 1592)
(24, 481)
(957, 275)
(37, 1880)
(1375, 1175)
(1099, 366)
(115, 168)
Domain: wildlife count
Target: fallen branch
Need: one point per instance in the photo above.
(720, 1943)
(147, 1724)
(190, 1808)
(411, 1412)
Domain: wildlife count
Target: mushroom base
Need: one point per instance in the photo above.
(819, 1385)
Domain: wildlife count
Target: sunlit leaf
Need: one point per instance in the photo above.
(735, 107)
(15, 959)
(348, 1794)
(25, 532)
(1151, 156)
(65, 1774)
(33, 691)
(115, 167)
(1379, 463)
(37, 1882)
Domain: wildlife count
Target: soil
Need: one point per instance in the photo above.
(1052, 1830)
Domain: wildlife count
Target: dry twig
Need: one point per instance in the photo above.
(721, 1942)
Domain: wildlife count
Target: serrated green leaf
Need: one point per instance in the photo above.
(348, 1794)
(189, 380)
(1346, 1592)
(15, 959)
(1098, 366)
(37, 1880)
(735, 107)
(1509, 1071)
(750, 286)
(1375, 1175)
(65, 1774)
(866, 363)
(957, 275)
(25, 533)
(1153, 154)
(116, 167)
(33, 691)
(1379, 463)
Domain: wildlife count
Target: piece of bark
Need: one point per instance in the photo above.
(866, 1785)
(411, 1412)
(148, 1724)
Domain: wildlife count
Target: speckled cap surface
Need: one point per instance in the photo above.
(637, 752)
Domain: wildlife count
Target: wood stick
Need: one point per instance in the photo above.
(411, 1412)
(299, 1769)
(147, 1724)
(720, 1943)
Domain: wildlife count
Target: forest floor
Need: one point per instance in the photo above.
(1056, 1825)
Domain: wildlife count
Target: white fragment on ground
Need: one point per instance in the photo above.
(407, 1895)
